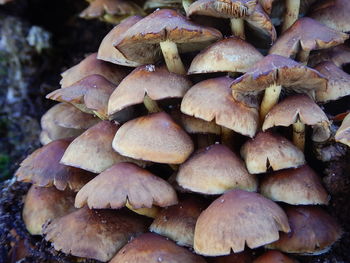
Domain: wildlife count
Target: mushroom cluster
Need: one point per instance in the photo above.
(171, 143)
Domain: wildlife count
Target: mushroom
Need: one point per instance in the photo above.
(300, 186)
(168, 31)
(42, 168)
(243, 257)
(343, 133)
(273, 72)
(339, 55)
(154, 248)
(155, 4)
(42, 204)
(274, 256)
(92, 150)
(299, 110)
(304, 36)
(270, 151)
(96, 234)
(313, 232)
(235, 219)
(155, 137)
(215, 170)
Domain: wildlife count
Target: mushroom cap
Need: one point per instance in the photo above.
(270, 150)
(299, 106)
(92, 150)
(274, 256)
(156, 82)
(108, 53)
(339, 55)
(243, 257)
(42, 168)
(306, 34)
(89, 66)
(96, 234)
(212, 100)
(300, 186)
(45, 203)
(195, 125)
(228, 55)
(126, 182)
(90, 95)
(333, 13)
(154, 248)
(177, 222)
(313, 231)
(343, 133)
(44, 138)
(338, 82)
(155, 137)
(278, 70)
(140, 42)
(215, 170)
(237, 218)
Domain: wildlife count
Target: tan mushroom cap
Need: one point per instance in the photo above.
(306, 34)
(274, 256)
(300, 186)
(334, 14)
(243, 257)
(237, 218)
(178, 222)
(313, 231)
(108, 53)
(96, 234)
(45, 203)
(338, 82)
(44, 138)
(278, 70)
(215, 170)
(42, 168)
(140, 43)
(195, 125)
(89, 66)
(228, 55)
(270, 151)
(339, 55)
(126, 182)
(155, 137)
(212, 100)
(92, 151)
(343, 133)
(156, 82)
(299, 106)
(154, 248)
(90, 95)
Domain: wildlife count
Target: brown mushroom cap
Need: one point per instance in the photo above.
(155, 137)
(45, 203)
(156, 82)
(274, 256)
(278, 70)
(339, 55)
(154, 248)
(215, 170)
(338, 82)
(306, 34)
(106, 51)
(299, 106)
(269, 150)
(42, 168)
(212, 100)
(126, 182)
(228, 55)
(235, 219)
(300, 186)
(89, 66)
(140, 43)
(177, 222)
(343, 133)
(96, 234)
(195, 125)
(313, 231)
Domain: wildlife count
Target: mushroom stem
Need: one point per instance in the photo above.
(149, 212)
(151, 105)
(172, 57)
(303, 56)
(204, 140)
(270, 99)
(292, 13)
(227, 136)
(299, 134)
(186, 4)
(237, 27)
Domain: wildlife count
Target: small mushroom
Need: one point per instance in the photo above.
(343, 133)
(339, 55)
(154, 248)
(274, 256)
(235, 219)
